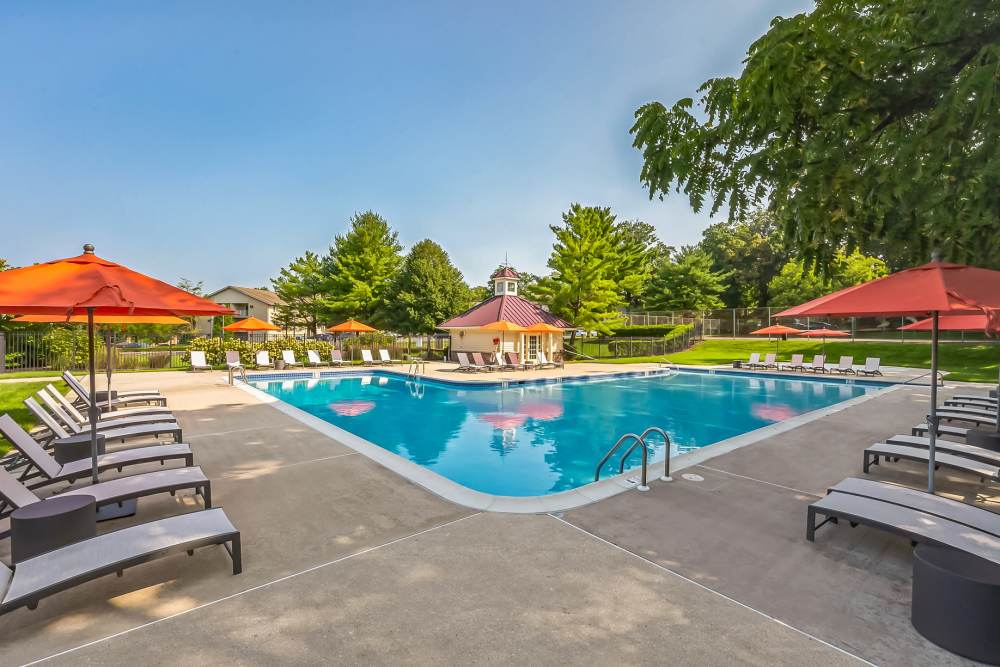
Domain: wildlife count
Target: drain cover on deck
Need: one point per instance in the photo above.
(691, 477)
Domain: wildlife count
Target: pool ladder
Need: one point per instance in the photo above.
(639, 441)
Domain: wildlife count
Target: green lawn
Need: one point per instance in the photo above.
(12, 395)
(100, 373)
(972, 363)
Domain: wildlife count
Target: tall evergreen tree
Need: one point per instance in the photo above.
(686, 282)
(426, 291)
(360, 268)
(301, 285)
(582, 287)
(638, 249)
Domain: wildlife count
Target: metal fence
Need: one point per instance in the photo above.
(739, 322)
(621, 347)
(34, 350)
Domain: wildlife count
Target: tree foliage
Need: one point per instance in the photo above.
(870, 124)
(302, 286)
(750, 253)
(638, 249)
(686, 282)
(361, 266)
(797, 283)
(426, 291)
(582, 287)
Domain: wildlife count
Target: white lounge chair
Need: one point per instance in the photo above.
(846, 365)
(263, 359)
(384, 357)
(818, 364)
(289, 358)
(479, 363)
(463, 362)
(753, 361)
(312, 358)
(233, 362)
(795, 364)
(336, 358)
(198, 362)
(366, 358)
(770, 361)
(871, 366)
(543, 362)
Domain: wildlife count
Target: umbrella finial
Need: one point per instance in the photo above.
(88, 249)
(936, 255)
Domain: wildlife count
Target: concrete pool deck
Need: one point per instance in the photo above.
(344, 561)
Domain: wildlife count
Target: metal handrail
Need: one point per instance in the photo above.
(645, 460)
(642, 437)
(243, 373)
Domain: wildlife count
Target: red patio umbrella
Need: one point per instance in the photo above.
(929, 289)
(823, 333)
(778, 330)
(88, 285)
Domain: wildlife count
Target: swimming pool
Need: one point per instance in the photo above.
(539, 438)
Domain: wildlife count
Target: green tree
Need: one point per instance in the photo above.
(426, 291)
(302, 286)
(638, 249)
(360, 268)
(582, 287)
(797, 282)
(192, 287)
(686, 282)
(750, 252)
(870, 124)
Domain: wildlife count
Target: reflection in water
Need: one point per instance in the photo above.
(544, 438)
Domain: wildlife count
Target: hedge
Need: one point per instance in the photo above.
(216, 348)
(644, 330)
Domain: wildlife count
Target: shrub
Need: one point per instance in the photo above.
(216, 348)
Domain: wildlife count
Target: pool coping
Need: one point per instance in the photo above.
(554, 502)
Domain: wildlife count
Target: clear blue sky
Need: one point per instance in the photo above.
(216, 141)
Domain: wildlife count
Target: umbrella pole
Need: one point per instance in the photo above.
(107, 344)
(92, 411)
(932, 419)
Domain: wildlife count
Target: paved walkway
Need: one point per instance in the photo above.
(346, 562)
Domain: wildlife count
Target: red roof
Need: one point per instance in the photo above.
(505, 272)
(505, 307)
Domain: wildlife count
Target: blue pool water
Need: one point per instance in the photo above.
(539, 438)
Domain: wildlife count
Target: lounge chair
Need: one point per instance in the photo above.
(289, 358)
(463, 362)
(263, 359)
(117, 401)
(480, 363)
(957, 448)
(753, 361)
(514, 361)
(198, 362)
(366, 358)
(979, 411)
(336, 358)
(919, 516)
(818, 364)
(118, 418)
(978, 397)
(42, 464)
(121, 394)
(770, 361)
(544, 362)
(121, 433)
(846, 366)
(871, 366)
(384, 357)
(71, 565)
(312, 358)
(112, 491)
(977, 418)
(943, 429)
(990, 403)
(942, 459)
(795, 364)
(500, 363)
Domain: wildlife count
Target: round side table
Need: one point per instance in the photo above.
(50, 524)
(956, 601)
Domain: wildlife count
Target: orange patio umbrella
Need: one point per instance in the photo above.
(251, 324)
(824, 333)
(933, 289)
(351, 325)
(503, 326)
(542, 328)
(90, 286)
(778, 330)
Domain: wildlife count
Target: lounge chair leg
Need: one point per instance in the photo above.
(206, 494)
(854, 524)
(33, 605)
(119, 573)
(236, 553)
(190, 552)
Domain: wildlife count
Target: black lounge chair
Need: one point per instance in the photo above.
(930, 520)
(977, 418)
(121, 433)
(972, 402)
(71, 565)
(13, 494)
(943, 429)
(42, 464)
(117, 401)
(949, 510)
(942, 459)
(983, 410)
(957, 448)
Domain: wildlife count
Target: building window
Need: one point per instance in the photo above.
(510, 288)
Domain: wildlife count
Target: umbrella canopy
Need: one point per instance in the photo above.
(824, 333)
(102, 319)
(502, 325)
(933, 289)
(775, 330)
(950, 323)
(351, 326)
(542, 328)
(89, 285)
(251, 324)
